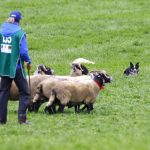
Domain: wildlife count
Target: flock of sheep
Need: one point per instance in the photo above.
(79, 88)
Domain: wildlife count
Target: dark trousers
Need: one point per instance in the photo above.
(24, 95)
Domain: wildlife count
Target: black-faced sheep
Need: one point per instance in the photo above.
(36, 102)
(77, 67)
(42, 69)
(35, 79)
(72, 92)
(77, 70)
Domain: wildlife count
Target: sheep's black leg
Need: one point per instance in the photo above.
(49, 109)
(91, 106)
(77, 108)
(46, 110)
(85, 106)
(62, 107)
(88, 108)
(54, 108)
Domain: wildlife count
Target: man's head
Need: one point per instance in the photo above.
(16, 15)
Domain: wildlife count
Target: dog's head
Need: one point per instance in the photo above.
(42, 69)
(132, 69)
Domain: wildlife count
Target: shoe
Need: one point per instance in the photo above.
(26, 122)
(23, 120)
(2, 123)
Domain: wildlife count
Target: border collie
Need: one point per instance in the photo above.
(132, 69)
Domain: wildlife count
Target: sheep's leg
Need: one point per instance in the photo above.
(85, 106)
(62, 108)
(77, 108)
(91, 106)
(49, 107)
(36, 98)
(54, 108)
(51, 99)
(88, 108)
(36, 105)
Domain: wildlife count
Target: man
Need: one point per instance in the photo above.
(13, 54)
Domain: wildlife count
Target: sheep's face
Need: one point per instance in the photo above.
(78, 70)
(42, 69)
(102, 77)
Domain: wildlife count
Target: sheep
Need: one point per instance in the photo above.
(71, 92)
(35, 79)
(35, 104)
(78, 68)
(14, 93)
(42, 69)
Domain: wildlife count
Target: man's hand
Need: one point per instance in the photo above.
(28, 66)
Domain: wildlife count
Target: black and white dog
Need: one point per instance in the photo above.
(132, 69)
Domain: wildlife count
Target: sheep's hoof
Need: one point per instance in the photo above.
(49, 110)
(88, 111)
(61, 109)
(46, 110)
(77, 111)
(30, 108)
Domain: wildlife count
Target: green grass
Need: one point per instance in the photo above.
(112, 33)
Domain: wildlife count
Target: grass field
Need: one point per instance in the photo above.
(112, 33)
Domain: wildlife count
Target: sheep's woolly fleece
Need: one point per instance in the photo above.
(82, 61)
